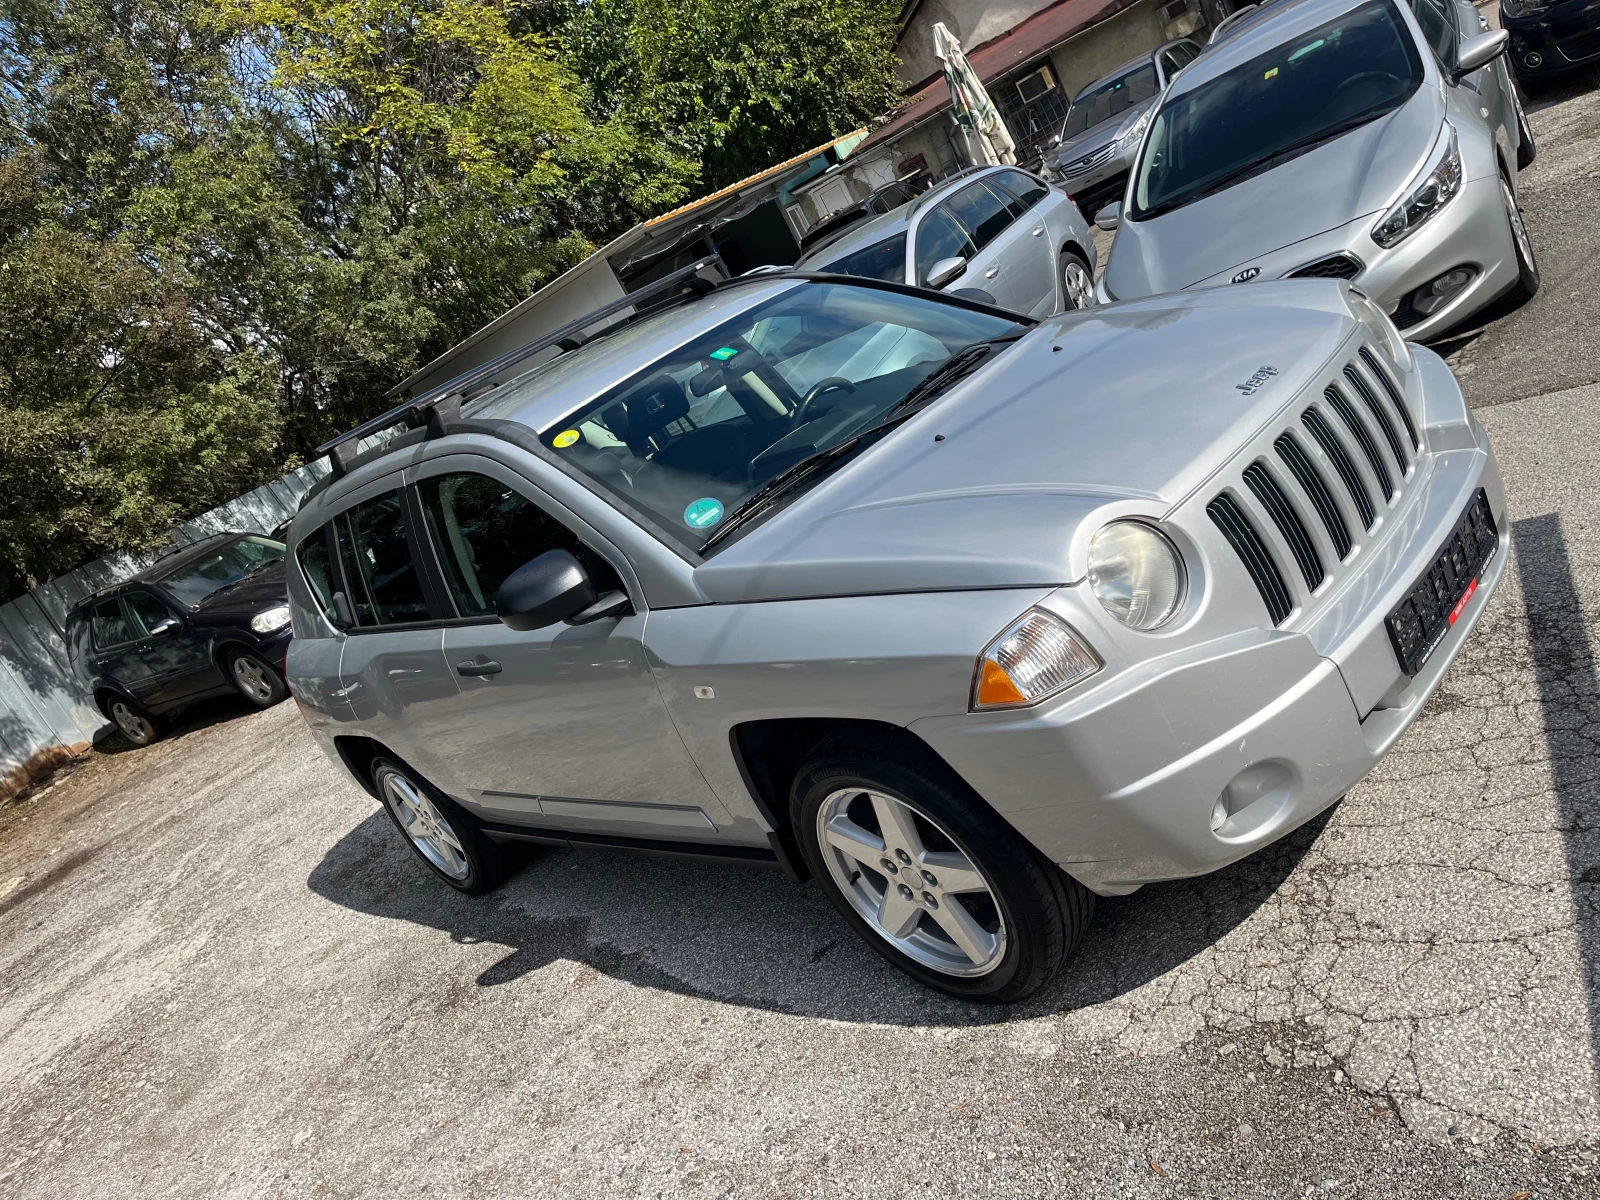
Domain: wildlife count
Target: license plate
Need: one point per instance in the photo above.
(1436, 601)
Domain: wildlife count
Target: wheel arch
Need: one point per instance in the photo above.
(358, 752)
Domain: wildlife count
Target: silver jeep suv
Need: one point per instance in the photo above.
(968, 618)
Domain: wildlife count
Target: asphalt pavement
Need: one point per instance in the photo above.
(221, 974)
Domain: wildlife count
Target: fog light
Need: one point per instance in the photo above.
(1533, 60)
(1219, 813)
(1434, 295)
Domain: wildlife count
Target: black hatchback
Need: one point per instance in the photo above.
(206, 620)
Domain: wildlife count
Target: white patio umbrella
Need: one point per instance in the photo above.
(988, 139)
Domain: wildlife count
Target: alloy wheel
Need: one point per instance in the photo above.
(251, 676)
(134, 726)
(426, 826)
(1077, 282)
(911, 882)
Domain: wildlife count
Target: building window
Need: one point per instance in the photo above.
(1033, 107)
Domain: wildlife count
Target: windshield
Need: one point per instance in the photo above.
(197, 579)
(882, 260)
(1276, 106)
(687, 439)
(1106, 100)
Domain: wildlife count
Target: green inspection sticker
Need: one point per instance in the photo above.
(703, 513)
(724, 354)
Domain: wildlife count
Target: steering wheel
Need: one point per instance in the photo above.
(1357, 80)
(831, 384)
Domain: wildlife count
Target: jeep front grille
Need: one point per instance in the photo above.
(1308, 495)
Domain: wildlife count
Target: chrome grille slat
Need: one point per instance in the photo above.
(1229, 517)
(1270, 494)
(1381, 373)
(1317, 491)
(1322, 433)
(1363, 436)
(1380, 415)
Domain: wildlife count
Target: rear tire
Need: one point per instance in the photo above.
(444, 836)
(1527, 285)
(256, 679)
(931, 877)
(135, 723)
(1077, 280)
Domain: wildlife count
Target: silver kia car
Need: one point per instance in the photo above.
(994, 234)
(1350, 139)
(967, 618)
(1096, 144)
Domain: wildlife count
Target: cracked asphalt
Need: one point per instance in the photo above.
(222, 975)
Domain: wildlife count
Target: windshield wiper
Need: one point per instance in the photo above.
(959, 365)
(1260, 166)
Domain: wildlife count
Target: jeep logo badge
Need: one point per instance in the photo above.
(1253, 385)
(1246, 275)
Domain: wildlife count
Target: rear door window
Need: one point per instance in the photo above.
(1028, 190)
(485, 530)
(317, 566)
(380, 564)
(110, 625)
(941, 236)
(983, 211)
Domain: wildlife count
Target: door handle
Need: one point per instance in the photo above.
(1038, 231)
(991, 272)
(486, 667)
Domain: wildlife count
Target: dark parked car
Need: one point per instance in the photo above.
(203, 621)
(1550, 37)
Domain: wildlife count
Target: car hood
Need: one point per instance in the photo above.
(1356, 174)
(256, 592)
(999, 483)
(1096, 136)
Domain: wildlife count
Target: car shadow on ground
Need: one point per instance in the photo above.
(754, 937)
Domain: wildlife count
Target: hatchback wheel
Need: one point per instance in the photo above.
(1527, 285)
(1077, 281)
(1527, 149)
(442, 834)
(138, 726)
(930, 876)
(256, 680)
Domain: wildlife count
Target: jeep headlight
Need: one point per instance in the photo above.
(1380, 327)
(1441, 180)
(272, 620)
(1036, 657)
(1136, 574)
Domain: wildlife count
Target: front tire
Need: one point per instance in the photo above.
(442, 834)
(1077, 281)
(930, 876)
(255, 679)
(1527, 285)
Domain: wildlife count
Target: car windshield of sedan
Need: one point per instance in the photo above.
(882, 260)
(694, 434)
(195, 580)
(1112, 97)
(1275, 107)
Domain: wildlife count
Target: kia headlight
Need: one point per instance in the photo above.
(272, 620)
(1382, 330)
(1136, 574)
(1440, 182)
(1038, 656)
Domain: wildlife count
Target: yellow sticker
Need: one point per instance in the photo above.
(566, 438)
(1270, 73)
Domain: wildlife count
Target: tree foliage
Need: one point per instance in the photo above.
(227, 227)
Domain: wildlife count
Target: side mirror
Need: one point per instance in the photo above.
(165, 625)
(946, 270)
(551, 588)
(1480, 52)
(1109, 217)
(1053, 141)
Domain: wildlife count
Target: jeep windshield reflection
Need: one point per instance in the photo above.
(698, 431)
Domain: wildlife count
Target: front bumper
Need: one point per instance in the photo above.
(1471, 232)
(1118, 784)
(1564, 38)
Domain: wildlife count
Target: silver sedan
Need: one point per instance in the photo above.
(1367, 141)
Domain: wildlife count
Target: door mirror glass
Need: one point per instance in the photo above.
(551, 588)
(1109, 217)
(1480, 52)
(947, 270)
(165, 625)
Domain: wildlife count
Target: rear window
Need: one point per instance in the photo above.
(884, 260)
(110, 627)
(317, 566)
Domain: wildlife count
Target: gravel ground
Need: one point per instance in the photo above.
(224, 976)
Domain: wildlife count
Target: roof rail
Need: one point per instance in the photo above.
(439, 406)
